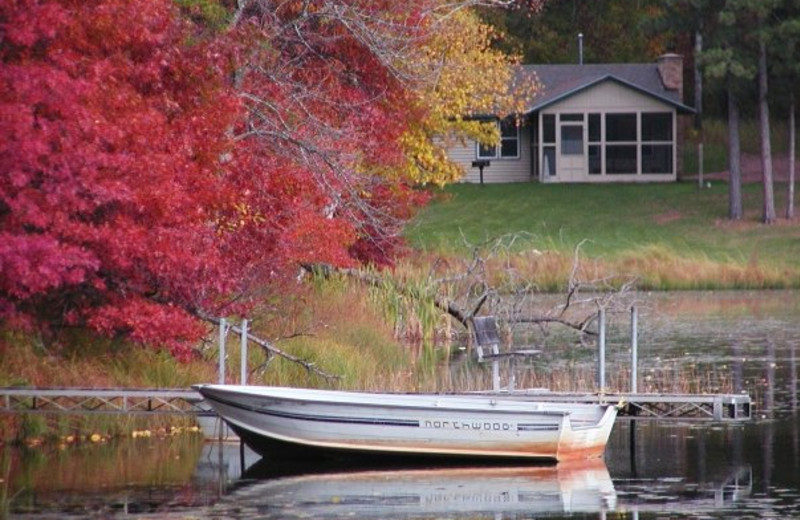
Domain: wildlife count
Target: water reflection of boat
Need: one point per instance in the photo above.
(432, 424)
(458, 492)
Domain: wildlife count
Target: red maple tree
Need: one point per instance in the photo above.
(147, 178)
(158, 164)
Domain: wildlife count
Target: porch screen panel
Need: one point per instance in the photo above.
(621, 128)
(549, 128)
(657, 144)
(549, 160)
(549, 142)
(621, 159)
(595, 146)
(656, 126)
(622, 156)
(595, 159)
(656, 158)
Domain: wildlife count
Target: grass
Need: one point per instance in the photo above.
(669, 235)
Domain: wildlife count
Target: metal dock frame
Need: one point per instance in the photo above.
(678, 407)
(103, 400)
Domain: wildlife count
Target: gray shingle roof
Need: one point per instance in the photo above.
(563, 81)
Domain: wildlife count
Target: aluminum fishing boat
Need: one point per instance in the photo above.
(457, 425)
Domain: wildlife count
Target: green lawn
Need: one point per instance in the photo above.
(616, 219)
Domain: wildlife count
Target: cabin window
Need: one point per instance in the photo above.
(509, 142)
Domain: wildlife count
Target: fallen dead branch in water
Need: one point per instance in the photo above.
(485, 284)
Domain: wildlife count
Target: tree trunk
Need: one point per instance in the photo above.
(766, 148)
(792, 138)
(734, 155)
(698, 105)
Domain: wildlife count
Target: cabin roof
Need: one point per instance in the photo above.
(562, 81)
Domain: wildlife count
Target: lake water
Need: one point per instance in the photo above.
(748, 340)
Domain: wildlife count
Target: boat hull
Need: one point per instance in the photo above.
(418, 424)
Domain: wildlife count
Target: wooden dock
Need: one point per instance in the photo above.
(673, 407)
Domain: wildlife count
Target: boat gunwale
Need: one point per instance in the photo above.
(445, 409)
(452, 402)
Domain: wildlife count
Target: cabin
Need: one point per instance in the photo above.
(589, 123)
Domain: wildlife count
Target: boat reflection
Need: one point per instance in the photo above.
(457, 492)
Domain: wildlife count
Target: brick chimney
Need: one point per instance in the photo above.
(670, 68)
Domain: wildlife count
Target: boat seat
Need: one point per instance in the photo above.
(484, 329)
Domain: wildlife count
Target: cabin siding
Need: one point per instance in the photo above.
(500, 170)
(607, 97)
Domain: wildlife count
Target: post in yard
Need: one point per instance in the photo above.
(634, 349)
(601, 347)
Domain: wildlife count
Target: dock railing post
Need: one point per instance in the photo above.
(634, 350)
(495, 369)
(601, 347)
(243, 376)
(223, 329)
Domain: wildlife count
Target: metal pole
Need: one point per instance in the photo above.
(700, 165)
(243, 378)
(223, 329)
(634, 350)
(601, 368)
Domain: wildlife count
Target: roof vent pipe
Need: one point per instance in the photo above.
(580, 48)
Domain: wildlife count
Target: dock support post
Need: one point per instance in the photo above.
(223, 329)
(601, 347)
(243, 376)
(634, 350)
(495, 368)
(717, 408)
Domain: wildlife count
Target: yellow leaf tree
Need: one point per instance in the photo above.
(462, 84)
